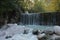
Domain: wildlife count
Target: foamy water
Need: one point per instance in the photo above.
(16, 32)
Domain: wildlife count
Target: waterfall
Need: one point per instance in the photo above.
(37, 19)
(29, 19)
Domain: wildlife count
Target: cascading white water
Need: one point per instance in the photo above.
(29, 19)
(37, 19)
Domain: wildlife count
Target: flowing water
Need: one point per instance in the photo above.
(33, 20)
(27, 20)
(30, 19)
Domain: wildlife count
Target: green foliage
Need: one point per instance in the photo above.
(30, 6)
(8, 5)
(26, 5)
(38, 7)
(58, 5)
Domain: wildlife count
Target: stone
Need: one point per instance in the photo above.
(25, 32)
(54, 37)
(49, 31)
(57, 30)
(42, 36)
(57, 39)
(36, 32)
(8, 37)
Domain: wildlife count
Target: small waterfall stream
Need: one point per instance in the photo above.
(37, 19)
(30, 19)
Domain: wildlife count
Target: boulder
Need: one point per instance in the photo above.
(49, 31)
(36, 32)
(41, 36)
(55, 37)
(57, 30)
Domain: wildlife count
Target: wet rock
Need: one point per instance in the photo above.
(57, 30)
(49, 31)
(57, 39)
(42, 36)
(25, 32)
(36, 32)
(54, 37)
(8, 37)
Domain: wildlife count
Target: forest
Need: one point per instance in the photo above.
(10, 10)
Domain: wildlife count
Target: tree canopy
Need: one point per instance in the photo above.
(41, 5)
(30, 5)
(12, 8)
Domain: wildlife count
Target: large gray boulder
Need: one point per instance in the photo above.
(54, 37)
(41, 35)
(57, 30)
(48, 31)
(57, 39)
